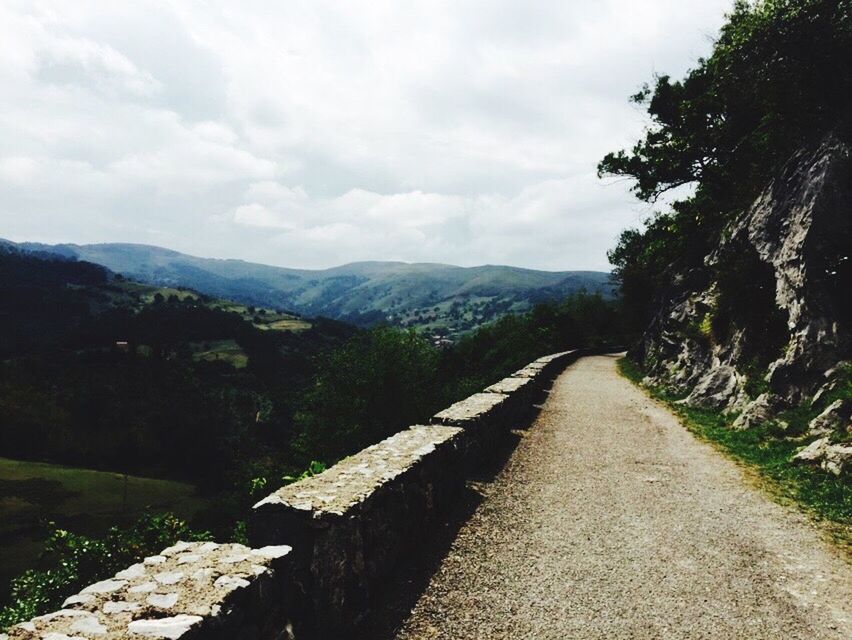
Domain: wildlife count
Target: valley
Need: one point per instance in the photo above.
(246, 391)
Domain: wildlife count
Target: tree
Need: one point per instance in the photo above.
(776, 77)
(379, 382)
(777, 80)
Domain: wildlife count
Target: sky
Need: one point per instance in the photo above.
(312, 134)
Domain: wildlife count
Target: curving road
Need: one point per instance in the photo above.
(610, 520)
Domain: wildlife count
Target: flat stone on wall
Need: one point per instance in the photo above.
(556, 356)
(544, 369)
(509, 386)
(473, 410)
(555, 362)
(522, 395)
(350, 524)
(532, 370)
(191, 590)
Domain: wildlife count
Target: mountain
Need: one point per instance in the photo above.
(441, 298)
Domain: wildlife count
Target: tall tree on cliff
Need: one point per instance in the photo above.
(778, 78)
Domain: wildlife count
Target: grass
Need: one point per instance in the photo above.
(83, 500)
(824, 497)
(220, 351)
(284, 324)
(139, 295)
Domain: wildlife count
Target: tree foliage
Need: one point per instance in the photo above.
(365, 390)
(385, 379)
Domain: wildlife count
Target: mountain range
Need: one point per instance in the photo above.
(442, 298)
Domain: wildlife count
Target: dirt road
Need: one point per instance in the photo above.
(610, 520)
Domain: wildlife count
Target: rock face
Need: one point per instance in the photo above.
(717, 388)
(836, 417)
(762, 409)
(833, 458)
(769, 311)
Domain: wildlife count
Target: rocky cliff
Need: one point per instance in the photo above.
(765, 324)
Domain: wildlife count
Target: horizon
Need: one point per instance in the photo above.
(316, 135)
(284, 266)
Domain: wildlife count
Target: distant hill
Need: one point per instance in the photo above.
(442, 298)
(100, 371)
(58, 301)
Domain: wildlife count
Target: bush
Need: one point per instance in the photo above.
(365, 391)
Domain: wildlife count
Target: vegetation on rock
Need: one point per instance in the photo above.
(738, 286)
(773, 84)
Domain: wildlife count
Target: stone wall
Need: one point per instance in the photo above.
(191, 590)
(322, 546)
(352, 523)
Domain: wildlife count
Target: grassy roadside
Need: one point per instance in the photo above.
(824, 497)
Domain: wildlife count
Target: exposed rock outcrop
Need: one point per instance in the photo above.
(833, 458)
(762, 409)
(719, 387)
(836, 417)
(756, 328)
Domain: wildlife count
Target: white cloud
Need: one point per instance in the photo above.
(314, 133)
(256, 215)
(18, 169)
(66, 60)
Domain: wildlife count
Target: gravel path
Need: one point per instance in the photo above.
(610, 520)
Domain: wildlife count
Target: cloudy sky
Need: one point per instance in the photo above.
(314, 133)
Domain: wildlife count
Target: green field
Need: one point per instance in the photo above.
(135, 295)
(220, 351)
(82, 500)
(283, 323)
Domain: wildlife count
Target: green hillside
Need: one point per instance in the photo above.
(444, 299)
(103, 372)
(33, 493)
(99, 372)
